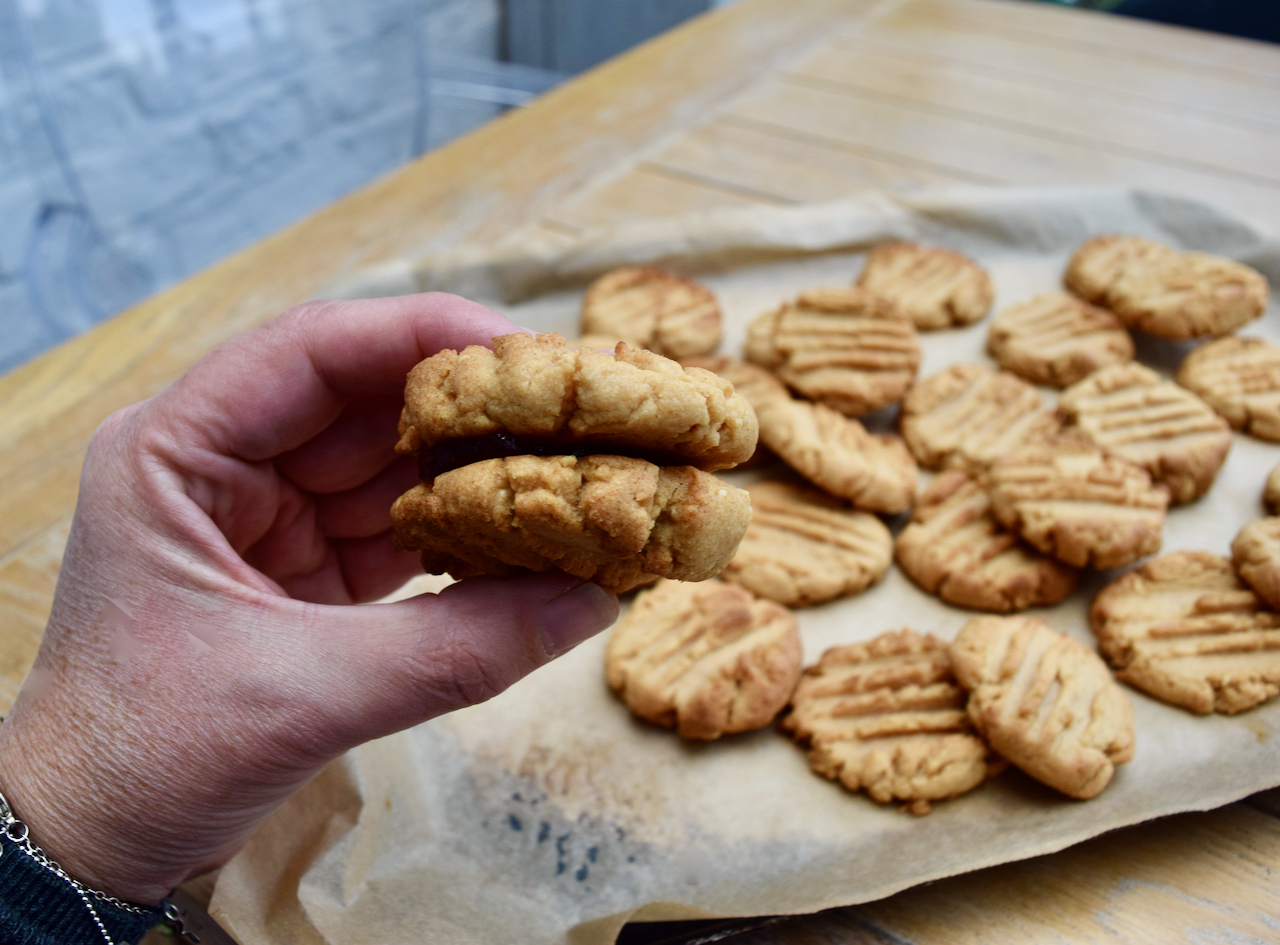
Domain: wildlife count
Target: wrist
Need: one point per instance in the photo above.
(69, 819)
(40, 902)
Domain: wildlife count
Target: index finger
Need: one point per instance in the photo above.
(276, 387)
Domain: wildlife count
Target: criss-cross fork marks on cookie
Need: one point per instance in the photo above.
(1045, 701)
(1069, 499)
(834, 452)
(1240, 379)
(935, 288)
(968, 415)
(650, 308)
(706, 659)
(1164, 292)
(955, 548)
(1057, 339)
(888, 717)
(1129, 410)
(1184, 628)
(844, 348)
(804, 548)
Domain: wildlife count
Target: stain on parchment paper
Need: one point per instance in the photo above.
(523, 822)
(594, 865)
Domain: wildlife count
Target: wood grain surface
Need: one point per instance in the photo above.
(762, 102)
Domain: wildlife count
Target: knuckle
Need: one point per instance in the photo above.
(453, 670)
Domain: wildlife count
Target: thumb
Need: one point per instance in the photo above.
(406, 662)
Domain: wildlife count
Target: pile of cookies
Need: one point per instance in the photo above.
(1025, 496)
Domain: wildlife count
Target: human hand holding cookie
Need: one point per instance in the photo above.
(202, 661)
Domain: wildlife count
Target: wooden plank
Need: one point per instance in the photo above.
(1158, 132)
(479, 188)
(27, 580)
(792, 168)
(649, 192)
(1196, 877)
(967, 145)
(1119, 36)
(1084, 71)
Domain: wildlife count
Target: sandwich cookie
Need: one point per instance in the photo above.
(535, 456)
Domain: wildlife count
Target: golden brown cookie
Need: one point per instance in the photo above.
(936, 288)
(1071, 500)
(1271, 491)
(615, 520)
(650, 308)
(1183, 628)
(1239, 378)
(1256, 555)
(706, 659)
(803, 547)
(955, 548)
(1129, 410)
(1057, 339)
(1096, 265)
(834, 452)
(845, 348)
(967, 415)
(888, 717)
(1045, 701)
(531, 391)
(1167, 293)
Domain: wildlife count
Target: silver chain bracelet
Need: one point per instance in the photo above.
(20, 836)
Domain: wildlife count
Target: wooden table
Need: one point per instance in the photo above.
(763, 102)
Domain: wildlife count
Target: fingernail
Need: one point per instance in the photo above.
(574, 616)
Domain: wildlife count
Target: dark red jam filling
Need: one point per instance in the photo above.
(453, 454)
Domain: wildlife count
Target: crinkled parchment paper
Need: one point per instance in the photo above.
(550, 815)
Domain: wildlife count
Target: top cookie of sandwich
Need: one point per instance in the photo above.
(543, 396)
(936, 288)
(650, 308)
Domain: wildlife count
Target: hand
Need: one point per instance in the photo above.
(202, 661)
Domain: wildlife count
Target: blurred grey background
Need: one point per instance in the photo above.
(141, 140)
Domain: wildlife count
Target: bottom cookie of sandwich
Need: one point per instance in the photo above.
(616, 520)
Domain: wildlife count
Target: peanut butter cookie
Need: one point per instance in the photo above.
(650, 308)
(955, 548)
(1099, 262)
(834, 452)
(1239, 378)
(539, 396)
(888, 717)
(845, 348)
(967, 415)
(1057, 339)
(1164, 292)
(616, 520)
(936, 288)
(706, 659)
(1045, 701)
(1071, 500)
(1256, 555)
(803, 547)
(1183, 628)
(1129, 410)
